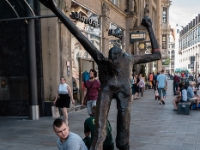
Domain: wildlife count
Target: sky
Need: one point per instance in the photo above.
(181, 12)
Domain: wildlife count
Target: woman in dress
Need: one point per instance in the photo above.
(137, 86)
(133, 82)
(64, 97)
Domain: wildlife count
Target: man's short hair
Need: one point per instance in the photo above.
(58, 123)
(94, 71)
(162, 70)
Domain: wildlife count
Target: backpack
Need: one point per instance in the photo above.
(141, 83)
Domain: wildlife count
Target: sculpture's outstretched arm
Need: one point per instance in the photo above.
(88, 46)
(156, 55)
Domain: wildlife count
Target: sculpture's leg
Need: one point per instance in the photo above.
(123, 121)
(102, 109)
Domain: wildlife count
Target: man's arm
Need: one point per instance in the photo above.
(84, 94)
(88, 46)
(156, 55)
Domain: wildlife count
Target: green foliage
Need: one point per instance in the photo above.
(142, 70)
(166, 62)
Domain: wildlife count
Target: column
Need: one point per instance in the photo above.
(159, 34)
(65, 48)
(33, 91)
(105, 27)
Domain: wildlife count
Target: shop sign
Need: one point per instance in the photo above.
(137, 36)
(85, 19)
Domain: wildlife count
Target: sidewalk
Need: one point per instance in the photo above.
(153, 127)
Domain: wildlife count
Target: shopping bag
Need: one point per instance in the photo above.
(156, 93)
(55, 112)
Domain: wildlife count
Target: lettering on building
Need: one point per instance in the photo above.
(84, 19)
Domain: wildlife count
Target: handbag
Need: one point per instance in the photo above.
(86, 96)
(55, 112)
(165, 87)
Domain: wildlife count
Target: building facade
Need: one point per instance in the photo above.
(115, 20)
(106, 23)
(189, 46)
(170, 61)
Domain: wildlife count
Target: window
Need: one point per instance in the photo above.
(164, 41)
(164, 20)
(114, 2)
(199, 31)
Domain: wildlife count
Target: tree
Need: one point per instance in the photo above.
(142, 70)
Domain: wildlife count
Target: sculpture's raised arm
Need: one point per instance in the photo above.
(156, 55)
(88, 46)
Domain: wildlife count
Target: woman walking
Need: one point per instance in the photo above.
(141, 85)
(133, 82)
(137, 87)
(64, 97)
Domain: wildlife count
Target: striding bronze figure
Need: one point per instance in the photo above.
(115, 73)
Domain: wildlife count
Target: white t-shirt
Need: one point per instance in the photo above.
(62, 89)
(73, 142)
(184, 95)
(198, 79)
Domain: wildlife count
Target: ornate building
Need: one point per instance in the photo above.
(106, 23)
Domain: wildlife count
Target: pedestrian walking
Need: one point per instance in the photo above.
(141, 85)
(67, 140)
(137, 89)
(91, 91)
(133, 88)
(63, 98)
(162, 86)
(151, 80)
(198, 81)
(176, 83)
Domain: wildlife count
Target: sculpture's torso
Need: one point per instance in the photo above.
(116, 76)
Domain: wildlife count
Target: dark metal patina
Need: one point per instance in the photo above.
(115, 73)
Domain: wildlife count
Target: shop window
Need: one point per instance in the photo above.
(164, 20)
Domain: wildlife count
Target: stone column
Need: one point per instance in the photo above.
(105, 23)
(65, 48)
(159, 34)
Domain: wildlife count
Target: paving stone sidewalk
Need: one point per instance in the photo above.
(153, 127)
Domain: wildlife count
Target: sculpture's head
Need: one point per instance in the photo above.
(115, 52)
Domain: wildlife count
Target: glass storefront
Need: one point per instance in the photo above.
(88, 24)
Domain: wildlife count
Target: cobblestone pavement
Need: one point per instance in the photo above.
(153, 127)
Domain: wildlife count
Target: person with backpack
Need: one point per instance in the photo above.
(141, 85)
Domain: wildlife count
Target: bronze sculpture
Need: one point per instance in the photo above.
(114, 74)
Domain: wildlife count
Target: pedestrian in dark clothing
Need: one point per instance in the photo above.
(176, 83)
